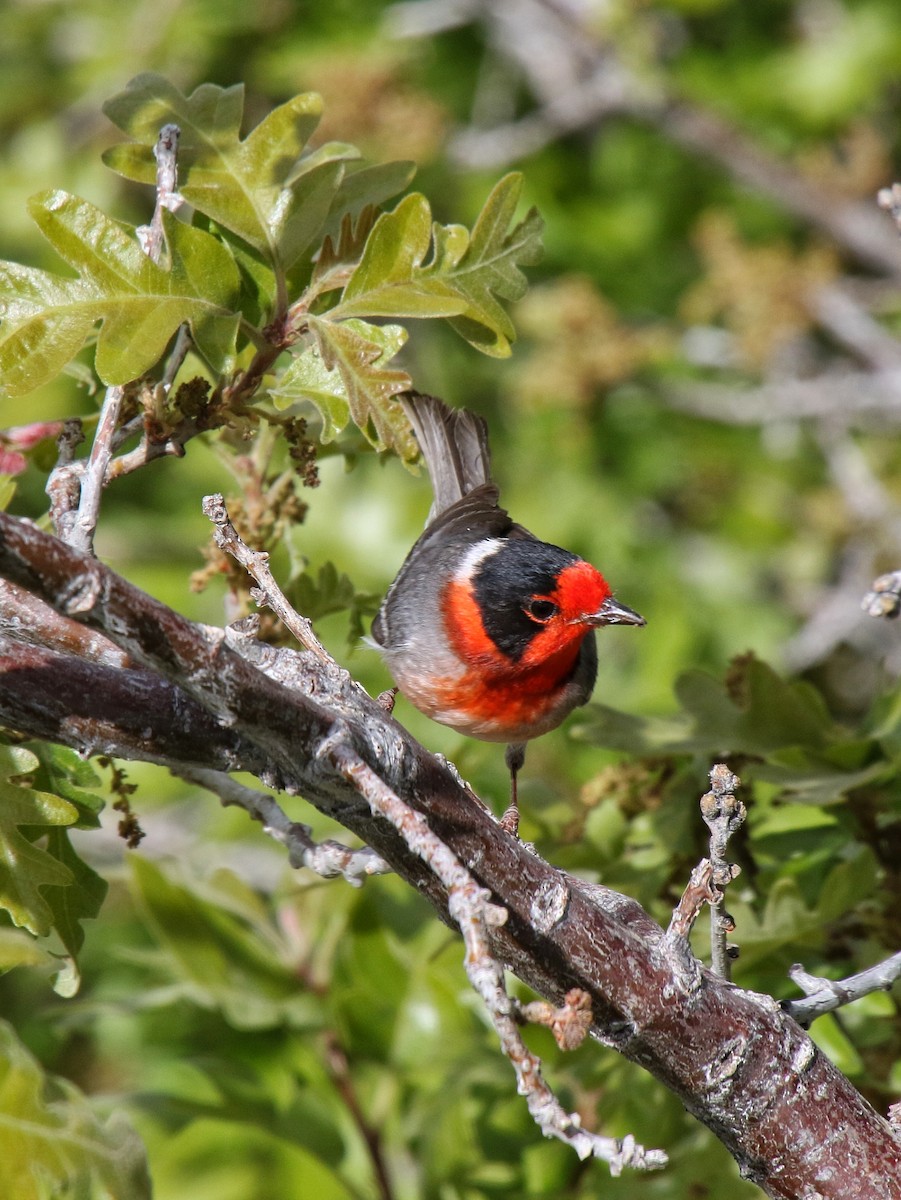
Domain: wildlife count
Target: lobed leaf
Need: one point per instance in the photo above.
(260, 188)
(487, 264)
(388, 281)
(466, 278)
(358, 352)
(345, 375)
(79, 900)
(47, 318)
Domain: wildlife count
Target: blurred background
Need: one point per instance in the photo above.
(704, 402)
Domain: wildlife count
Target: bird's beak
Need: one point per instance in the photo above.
(612, 612)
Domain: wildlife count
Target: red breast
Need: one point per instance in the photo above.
(487, 629)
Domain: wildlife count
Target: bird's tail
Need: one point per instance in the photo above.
(454, 444)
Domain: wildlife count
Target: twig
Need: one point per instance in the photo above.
(825, 995)
(93, 476)
(177, 355)
(861, 397)
(371, 1133)
(256, 562)
(472, 910)
(152, 236)
(328, 859)
(853, 327)
(864, 496)
(79, 530)
(62, 485)
(835, 616)
(723, 814)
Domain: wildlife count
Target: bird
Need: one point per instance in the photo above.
(486, 628)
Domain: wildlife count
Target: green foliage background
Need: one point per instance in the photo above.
(270, 1035)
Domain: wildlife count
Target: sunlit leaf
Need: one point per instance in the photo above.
(258, 187)
(486, 267)
(390, 281)
(47, 318)
(464, 280)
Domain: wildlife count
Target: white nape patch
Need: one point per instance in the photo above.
(474, 557)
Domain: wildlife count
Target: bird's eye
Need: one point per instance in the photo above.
(541, 610)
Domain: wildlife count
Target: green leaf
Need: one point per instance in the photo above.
(64, 773)
(301, 1114)
(52, 1142)
(365, 187)
(832, 1039)
(259, 187)
(389, 280)
(78, 901)
(487, 265)
(345, 374)
(19, 949)
(308, 378)
(467, 277)
(47, 318)
(330, 592)
(25, 869)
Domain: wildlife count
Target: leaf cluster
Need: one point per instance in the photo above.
(286, 252)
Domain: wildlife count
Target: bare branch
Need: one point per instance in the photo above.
(93, 476)
(256, 563)
(849, 323)
(889, 199)
(328, 859)
(723, 814)
(825, 995)
(152, 236)
(63, 486)
(177, 355)
(858, 396)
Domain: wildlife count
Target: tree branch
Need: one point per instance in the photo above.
(256, 562)
(328, 859)
(826, 995)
